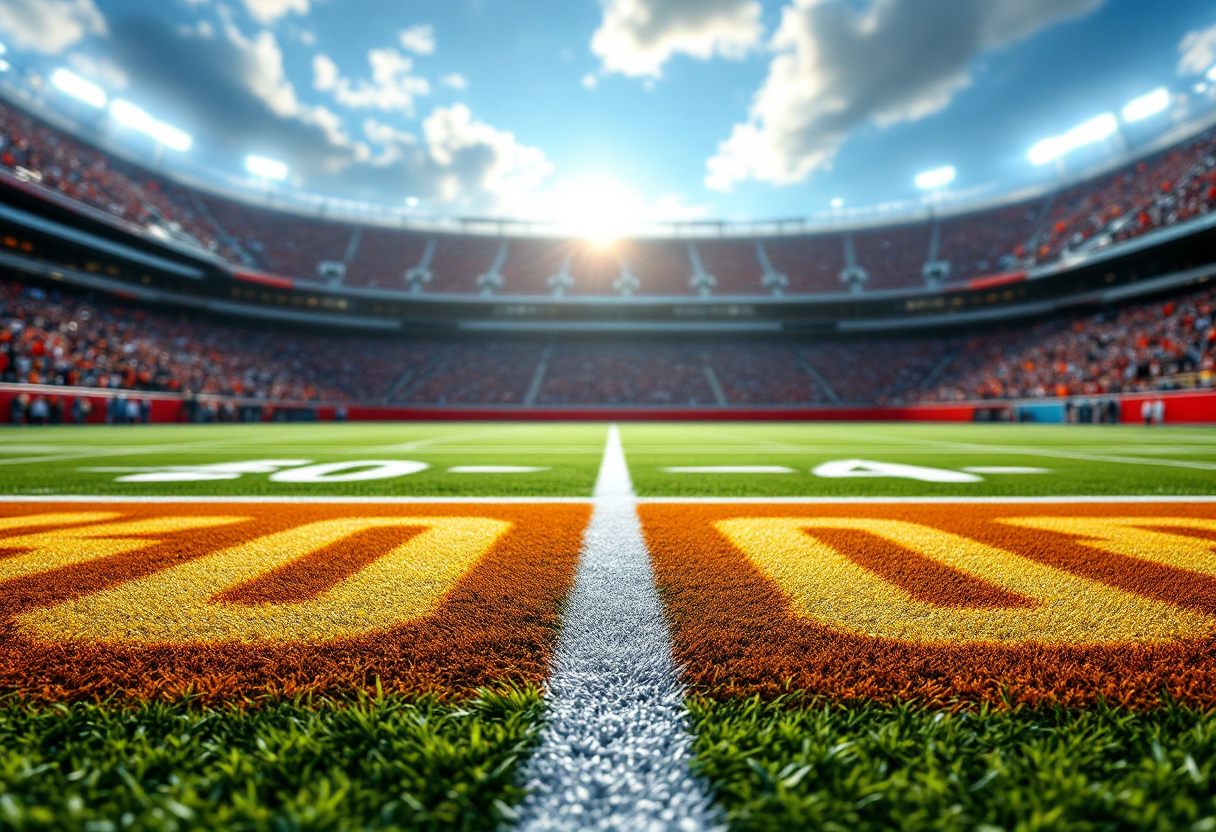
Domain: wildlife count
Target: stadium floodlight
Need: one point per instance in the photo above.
(128, 115)
(5, 66)
(1087, 132)
(264, 168)
(1147, 105)
(837, 203)
(1211, 75)
(82, 89)
(931, 180)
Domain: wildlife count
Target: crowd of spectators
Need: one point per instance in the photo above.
(1136, 348)
(476, 373)
(64, 339)
(60, 163)
(1148, 194)
(653, 374)
(878, 371)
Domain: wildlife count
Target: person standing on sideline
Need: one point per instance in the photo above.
(1146, 412)
(1159, 412)
(16, 409)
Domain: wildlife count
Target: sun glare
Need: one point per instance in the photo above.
(599, 210)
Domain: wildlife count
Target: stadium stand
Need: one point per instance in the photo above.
(671, 374)
(54, 160)
(383, 258)
(812, 263)
(1170, 187)
(63, 339)
(1082, 212)
(281, 243)
(989, 242)
(71, 339)
(1140, 347)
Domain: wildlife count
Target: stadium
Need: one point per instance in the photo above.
(368, 481)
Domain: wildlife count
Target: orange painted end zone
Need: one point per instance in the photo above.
(741, 625)
(495, 620)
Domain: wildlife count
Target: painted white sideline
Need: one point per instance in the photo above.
(615, 753)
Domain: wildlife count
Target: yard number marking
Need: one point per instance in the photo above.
(180, 604)
(829, 588)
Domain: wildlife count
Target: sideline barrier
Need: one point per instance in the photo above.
(1181, 407)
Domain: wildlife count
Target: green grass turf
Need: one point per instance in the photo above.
(774, 766)
(385, 764)
(1082, 460)
(49, 461)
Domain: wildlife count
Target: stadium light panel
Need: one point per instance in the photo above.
(82, 89)
(5, 66)
(127, 114)
(1147, 105)
(837, 203)
(264, 168)
(1212, 73)
(1087, 132)
(931, 180)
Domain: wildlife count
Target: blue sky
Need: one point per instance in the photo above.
(621, 110)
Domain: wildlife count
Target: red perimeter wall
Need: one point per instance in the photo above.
(1180, 408)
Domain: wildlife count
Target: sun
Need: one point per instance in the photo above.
(599, 210)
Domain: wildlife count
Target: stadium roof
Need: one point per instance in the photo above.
(605, 115)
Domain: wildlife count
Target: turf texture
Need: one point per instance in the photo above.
(849, 767)
(383, 762)
(936, 665)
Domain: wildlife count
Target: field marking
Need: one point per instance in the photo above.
(730, 469)
(616, 750)
(491, 499)
(496, 469)
(1004, 469)
(1058, 454)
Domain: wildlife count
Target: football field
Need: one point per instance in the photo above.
(578, 625)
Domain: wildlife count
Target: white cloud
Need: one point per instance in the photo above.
(266, 79)
(392, 86)
(50, 26)
(417, 39)
(637, 37)
(456, 81)
(471, 156)
(268, 11)
(590, 81)
(1198, 50)
(839, 66)
(325, 73)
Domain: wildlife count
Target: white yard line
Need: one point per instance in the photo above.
(491, 500)
(615, 753)
(1055, 453)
